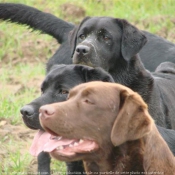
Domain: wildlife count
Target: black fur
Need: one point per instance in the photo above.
(124, 64)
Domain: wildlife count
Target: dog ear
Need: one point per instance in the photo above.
(73, 39)
(166, 67)
(132, 39)
(98, 74)
(73, 36)
(133, 120)
(93, 74)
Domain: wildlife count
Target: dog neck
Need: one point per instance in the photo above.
(133, 74)
(157, 155)
(123, 159)
(129, 157)
(102, 166)
(103, 161)
(148, 154)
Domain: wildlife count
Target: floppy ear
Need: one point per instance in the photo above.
(166, 67)
(98, 74)
(73, 36)
(133, 120)
(93, 74)
(132, 39)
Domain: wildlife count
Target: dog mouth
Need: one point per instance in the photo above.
(59, 146)
(29, 125)
(85, 63)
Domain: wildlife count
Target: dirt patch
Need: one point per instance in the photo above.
(19, 132)
(165, 26)
(16, 140)
(23, 138)
(157, 20)
(29, 50)
(16, 87)
(71, 12)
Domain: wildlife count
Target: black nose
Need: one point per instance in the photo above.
(27, 111)
(83, 50)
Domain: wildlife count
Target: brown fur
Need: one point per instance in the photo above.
(117, 119)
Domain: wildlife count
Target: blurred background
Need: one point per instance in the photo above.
(24, 53)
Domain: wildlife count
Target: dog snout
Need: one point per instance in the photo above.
(46, 111)
(27, 111)
(82, 50)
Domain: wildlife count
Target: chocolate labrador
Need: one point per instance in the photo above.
(153, 53)
(107, 126)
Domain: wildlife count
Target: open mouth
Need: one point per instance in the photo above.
(44, 141)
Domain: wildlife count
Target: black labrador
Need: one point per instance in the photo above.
(93, 43)
(153, 53)
(55, 88)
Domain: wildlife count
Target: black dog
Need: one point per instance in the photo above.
(153, 53)
(55, 88)
(94, 42)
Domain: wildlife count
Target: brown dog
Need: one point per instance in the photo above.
(108, 127)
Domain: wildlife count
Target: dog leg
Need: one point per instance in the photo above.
(44, 163)
(76, 167)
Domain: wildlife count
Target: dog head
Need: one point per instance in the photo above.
(96, 117)
(56, 86)
(105, 42)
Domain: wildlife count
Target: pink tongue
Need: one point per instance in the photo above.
(42, 142)
(86, 146)
(53, 144)
(39, 141)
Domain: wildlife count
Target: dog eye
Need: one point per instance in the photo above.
(42, 91)
(106, 38)
(82, 37)
(88, 102)
(63, 91)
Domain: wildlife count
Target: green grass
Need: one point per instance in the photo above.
(23, 55)
(15, 87)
